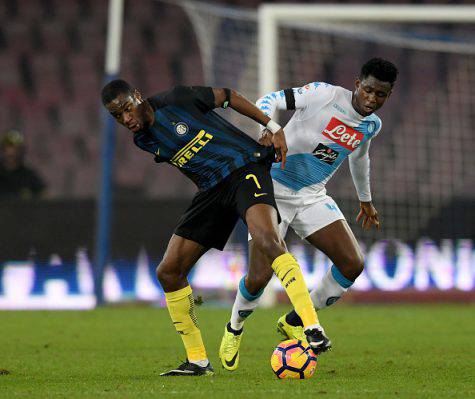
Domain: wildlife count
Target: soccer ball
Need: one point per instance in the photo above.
(293, 359)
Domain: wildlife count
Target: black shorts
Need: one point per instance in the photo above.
(213, 213)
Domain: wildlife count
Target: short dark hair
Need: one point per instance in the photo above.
(112, 89)
(381, 69)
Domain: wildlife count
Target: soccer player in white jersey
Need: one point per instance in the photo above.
(330, 124)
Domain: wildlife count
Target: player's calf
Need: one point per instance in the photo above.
(257, 279)
(351, 265)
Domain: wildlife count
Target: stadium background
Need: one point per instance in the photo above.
(52, 62)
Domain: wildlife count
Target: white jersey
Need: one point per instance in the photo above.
(324, 130)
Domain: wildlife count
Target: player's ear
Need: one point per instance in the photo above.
(357, 83)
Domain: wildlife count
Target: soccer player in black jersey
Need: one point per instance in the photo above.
(232, 173)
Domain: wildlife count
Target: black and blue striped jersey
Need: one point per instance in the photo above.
(188, 134)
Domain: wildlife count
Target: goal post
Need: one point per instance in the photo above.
(421, 169)
(271, 15)
(104, 198)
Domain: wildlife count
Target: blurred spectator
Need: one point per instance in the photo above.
(17, 181)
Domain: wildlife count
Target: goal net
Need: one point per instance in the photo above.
(422, 166)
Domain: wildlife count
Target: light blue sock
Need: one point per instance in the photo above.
(244, 305)
(330, 289)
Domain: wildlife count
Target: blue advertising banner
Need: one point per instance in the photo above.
(390, 266)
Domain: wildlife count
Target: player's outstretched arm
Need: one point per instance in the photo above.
(230, 98)
(359, 168)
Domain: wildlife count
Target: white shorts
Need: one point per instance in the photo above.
(306, 212)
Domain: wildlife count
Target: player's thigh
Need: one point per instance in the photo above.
(260, 271)
(287, 212)
(262, 222)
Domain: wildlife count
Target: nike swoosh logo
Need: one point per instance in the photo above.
(259, 195)
(185, 372)
(232, 361)
(283, 277)
(314, 344)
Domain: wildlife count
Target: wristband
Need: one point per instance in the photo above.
(273, 127)
(227, 100)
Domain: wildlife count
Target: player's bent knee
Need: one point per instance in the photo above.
(162, 275)
(169, 276)
(271, 245)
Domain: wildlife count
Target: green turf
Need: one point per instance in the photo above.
(379, 352)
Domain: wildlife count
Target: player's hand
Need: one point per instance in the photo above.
(368, 215)
(266, 138)
(280, 145)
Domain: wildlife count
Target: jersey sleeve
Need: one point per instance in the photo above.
(360, 171)
(360, 163)
(379, 125)
(270, 102)
(312, 93)
(295, 98)
(201, 97)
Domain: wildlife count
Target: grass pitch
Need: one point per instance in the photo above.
(379, 352)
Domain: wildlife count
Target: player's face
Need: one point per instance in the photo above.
(126, 109)
(370, 95)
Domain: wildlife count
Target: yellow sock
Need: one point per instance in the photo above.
(182, 311)
(288, 272)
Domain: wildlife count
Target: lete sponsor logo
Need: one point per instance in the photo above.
(342, 134)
